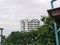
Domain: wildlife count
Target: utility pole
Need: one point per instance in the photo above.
(55, 25)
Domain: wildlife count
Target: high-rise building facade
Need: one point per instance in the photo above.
(29, 24)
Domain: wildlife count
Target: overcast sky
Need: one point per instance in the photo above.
(12, 11)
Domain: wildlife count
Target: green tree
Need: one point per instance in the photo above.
(46, 32)
(44, 35)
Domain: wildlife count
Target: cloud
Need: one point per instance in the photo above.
(12, 11)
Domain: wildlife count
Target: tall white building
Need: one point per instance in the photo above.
(29, 24)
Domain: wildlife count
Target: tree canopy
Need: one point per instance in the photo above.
(44, 35)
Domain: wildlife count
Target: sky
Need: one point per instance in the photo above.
(12, 11)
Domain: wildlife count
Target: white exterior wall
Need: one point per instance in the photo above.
(29, 25)
(26, 24)
(22, 25)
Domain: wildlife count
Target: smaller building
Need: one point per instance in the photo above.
(29, 24)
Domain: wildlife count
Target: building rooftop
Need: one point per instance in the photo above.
(55, 13)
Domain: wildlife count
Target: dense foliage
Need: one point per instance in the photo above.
(44, 35)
